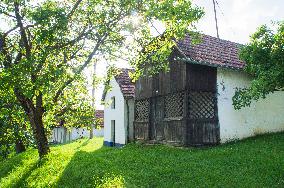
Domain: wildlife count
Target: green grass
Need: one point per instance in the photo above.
(254, 162)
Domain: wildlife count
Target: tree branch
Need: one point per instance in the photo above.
(100, 41)
(74, 8)
(25, 102)
(22, 30)
(73, 41)
(5, 13)
(60, 90)
(9, 31)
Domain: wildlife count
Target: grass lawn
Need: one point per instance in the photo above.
(255, 162)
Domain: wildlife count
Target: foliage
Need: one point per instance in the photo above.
(264, 57)
(74, 107)
(13, 125)
(255, 162)
(6, 142)
(49, 43)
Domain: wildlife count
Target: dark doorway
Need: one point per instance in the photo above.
(156, 128)
(113, 132)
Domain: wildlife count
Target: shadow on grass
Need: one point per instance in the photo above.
(9, 165)
(91, 169)
(28, 162)
(256, 162)
(251, 163)
(21, 182)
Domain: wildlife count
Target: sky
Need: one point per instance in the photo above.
(237, 20)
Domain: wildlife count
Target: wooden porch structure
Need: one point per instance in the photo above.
(178, 107)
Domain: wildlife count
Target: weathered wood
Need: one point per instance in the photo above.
(143, 87)
(141, 130)
(201, 78)
(183, 106)
(157, 114)
(174, 131)
(202, 132)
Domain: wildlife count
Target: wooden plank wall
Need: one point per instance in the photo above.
(202, 131)
(162, 83)
(201, 78)
(182, 77)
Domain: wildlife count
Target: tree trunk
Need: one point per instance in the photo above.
(92, 132)
(19, 146)
(64, 135)
(39, 133)
(35, 114)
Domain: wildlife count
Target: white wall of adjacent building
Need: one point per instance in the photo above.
(263, 116)
(114, 124)
(131, 118)
(63, 135)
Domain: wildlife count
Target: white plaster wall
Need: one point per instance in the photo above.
(131, 118)
(73, 134)
(83, 132)
(116, 114)
(57, 135)
(265, 115)
(99, 132)
(77, 133)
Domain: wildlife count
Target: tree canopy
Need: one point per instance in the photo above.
(264, 61)
(49, 43)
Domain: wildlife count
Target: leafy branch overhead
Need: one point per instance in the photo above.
(48, 44)
(264, 57)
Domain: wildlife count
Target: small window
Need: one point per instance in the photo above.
(113, 103)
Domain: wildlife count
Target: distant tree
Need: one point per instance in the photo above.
(264, 57)
(74, 107)
(49, 43)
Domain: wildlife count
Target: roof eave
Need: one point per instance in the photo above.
(189, 60)
(128, 97)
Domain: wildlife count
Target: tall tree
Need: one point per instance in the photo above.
(264, 57)
(49, 43)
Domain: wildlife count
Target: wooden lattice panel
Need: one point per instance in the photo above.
(174, 105)
(142, 110)
(201, 105)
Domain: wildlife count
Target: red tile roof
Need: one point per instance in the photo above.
(127, 87)
(100, 115)
(212, 51)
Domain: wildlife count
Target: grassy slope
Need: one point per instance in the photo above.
(255, 162)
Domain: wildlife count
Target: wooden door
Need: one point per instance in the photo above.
(156, 122)
(202, 122)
